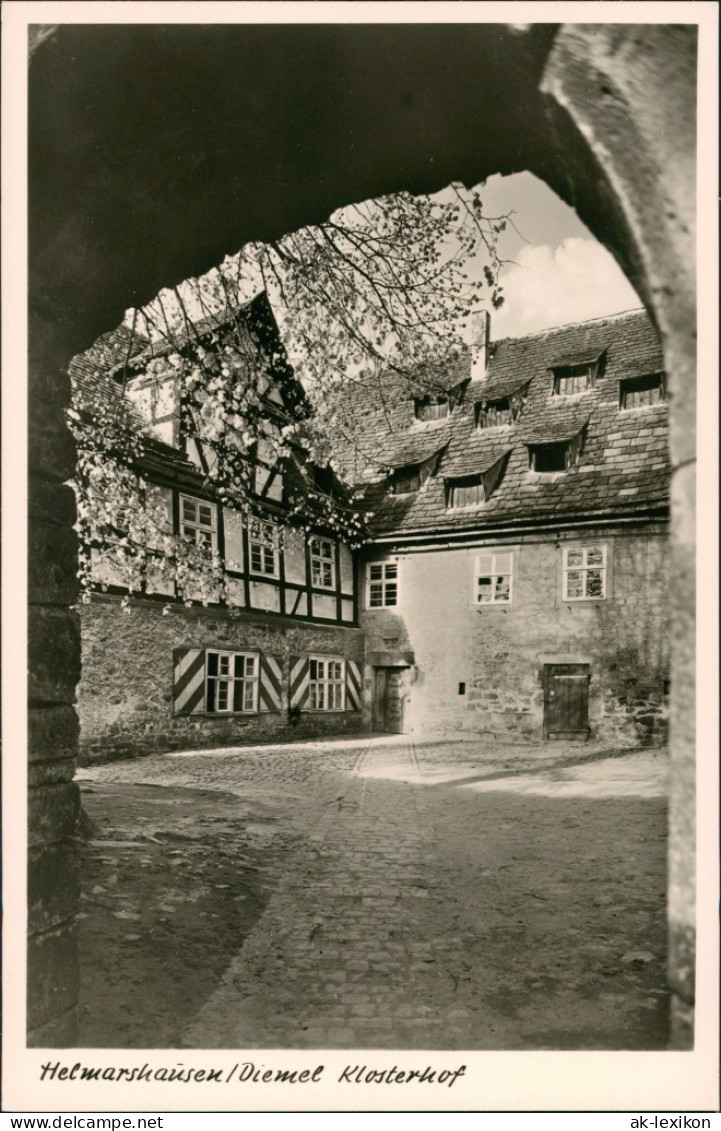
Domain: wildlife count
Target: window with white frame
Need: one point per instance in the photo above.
(326, 690)
(231, 682)
(584, 573)
(493, 578)
(199, 521)
(262, 548)
(322, 563)
(382, 584)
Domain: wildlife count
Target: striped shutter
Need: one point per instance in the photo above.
(269, 684)
(188, 681)
(352, 686)
(299, 680)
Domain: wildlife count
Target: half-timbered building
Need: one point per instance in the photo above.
(254, 634)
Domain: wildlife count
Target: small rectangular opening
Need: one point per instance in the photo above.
(432, 407)
(461, 689)
(405, 480)
(548, 457)
(570, 379)
(637, 392)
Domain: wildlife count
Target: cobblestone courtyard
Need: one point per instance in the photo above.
(443, 895)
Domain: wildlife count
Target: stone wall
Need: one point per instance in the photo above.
(498, 651)
(125, 695)
(54, 667)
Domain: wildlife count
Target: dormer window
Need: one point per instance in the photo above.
(500, 411)
(409, 477)
(467, 492)
(432, 407)
(577, 378)
(474, 489)
(406, 480)
(494, 414)
(638, 392)
(546, 458)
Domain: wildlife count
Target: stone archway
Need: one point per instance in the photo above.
(122, 158)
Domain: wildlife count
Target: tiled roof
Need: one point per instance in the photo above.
(623, 458)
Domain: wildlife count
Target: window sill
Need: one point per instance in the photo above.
(583, 600)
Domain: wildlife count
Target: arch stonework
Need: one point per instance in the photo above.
(605, 114)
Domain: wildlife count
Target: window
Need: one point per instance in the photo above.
(637, 392)
(322, 563)
(431, 408)
(199, 521)
(548, 457)
(468, 492)
(495, 414)
(382, 585)
(493, 578)
(326, 690)
(405, 480)
(231, 682)
(262, 548)
(569, 379)
(584, 573)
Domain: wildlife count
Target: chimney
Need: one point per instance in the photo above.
(478, 339)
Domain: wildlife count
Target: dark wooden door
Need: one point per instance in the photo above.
(565, 712)
(390, 699)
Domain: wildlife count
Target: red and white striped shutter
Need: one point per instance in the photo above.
(352, 686)
(270, 682)
(188, 681)
(299, 681)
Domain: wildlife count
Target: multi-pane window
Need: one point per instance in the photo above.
(262, 548)
(493, 578)
(584, 573)
(231, 682)
(466, 492)
(382, 584)
(322, 563)
(637, 392)
(570, 379)
(431, 407)
(199, 521)
(326, 690)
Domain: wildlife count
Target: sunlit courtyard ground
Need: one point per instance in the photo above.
(376, 893)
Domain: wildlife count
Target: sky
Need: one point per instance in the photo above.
(560, 273)
(556, 271)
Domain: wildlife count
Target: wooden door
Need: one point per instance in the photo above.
(390, 696)
(565, 713)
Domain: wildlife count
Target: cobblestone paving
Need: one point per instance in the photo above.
(350, 933)
(376, 935)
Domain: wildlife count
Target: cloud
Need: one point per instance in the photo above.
(549, 287)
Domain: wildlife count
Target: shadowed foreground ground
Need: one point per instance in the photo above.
(376, 895)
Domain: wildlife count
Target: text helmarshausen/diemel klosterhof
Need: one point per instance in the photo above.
(249, 1073)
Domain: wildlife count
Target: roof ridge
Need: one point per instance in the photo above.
(572, 325)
